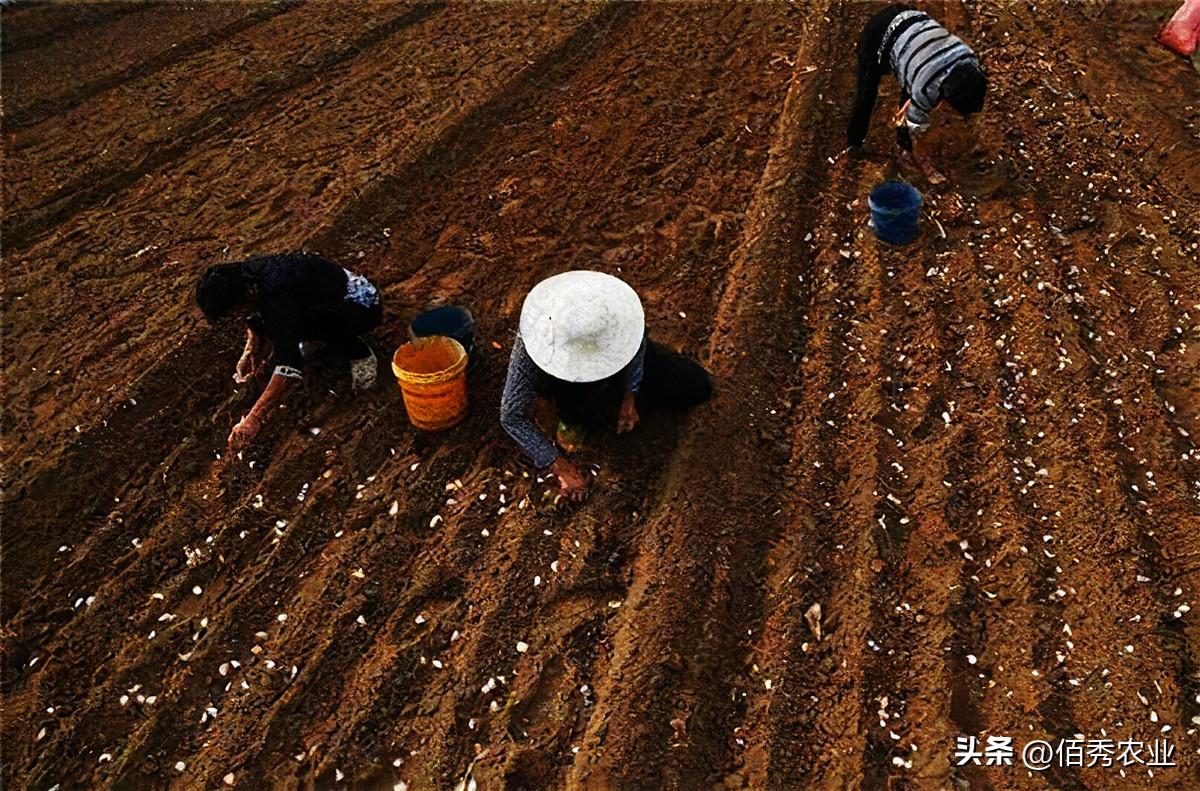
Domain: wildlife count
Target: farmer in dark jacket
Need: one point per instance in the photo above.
(582, 345)
(929, 63)
(291, 299)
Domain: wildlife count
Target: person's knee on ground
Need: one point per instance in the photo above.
(674, 381)
(697, 385)
(355, 321)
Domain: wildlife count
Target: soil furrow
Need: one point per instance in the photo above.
(43, 107)
(917, 646)
(101, 184)
(808, 555)
(28, 26)
(462, 143)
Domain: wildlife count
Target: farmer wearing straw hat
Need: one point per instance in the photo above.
(582, 346)
(291, 300)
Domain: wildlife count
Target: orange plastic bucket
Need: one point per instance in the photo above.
(432, 373)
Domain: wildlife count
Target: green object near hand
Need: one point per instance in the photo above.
(570, 437)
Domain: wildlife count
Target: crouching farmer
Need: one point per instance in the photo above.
(288, 300)
(930, 65)
(582, 346)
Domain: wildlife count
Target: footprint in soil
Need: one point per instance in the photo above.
(528, 769)
(984, 179)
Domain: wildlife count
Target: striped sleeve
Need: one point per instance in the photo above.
(922, 53)
(916, 119)
(916, 49)
(927, 80)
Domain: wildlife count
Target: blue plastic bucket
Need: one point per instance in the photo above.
(895, 208)
(451, 321)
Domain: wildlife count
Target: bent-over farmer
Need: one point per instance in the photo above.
(582, 345)
(289, 300)
(929, 63)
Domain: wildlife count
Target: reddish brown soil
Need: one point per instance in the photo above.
(976, 453)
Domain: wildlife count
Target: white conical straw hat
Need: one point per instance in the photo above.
(582, 326)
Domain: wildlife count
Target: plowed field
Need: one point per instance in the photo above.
(977, 453)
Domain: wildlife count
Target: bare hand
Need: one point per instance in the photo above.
(246, 368)
(627, 417)
(571, 482)
(245, 431)
(902, 114)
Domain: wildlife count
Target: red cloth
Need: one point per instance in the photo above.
(1182, 32)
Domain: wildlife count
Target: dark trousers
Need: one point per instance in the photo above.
(871, 68)
(670, 381)
(341, 325)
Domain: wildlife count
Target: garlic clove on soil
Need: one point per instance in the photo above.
(812, 617)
